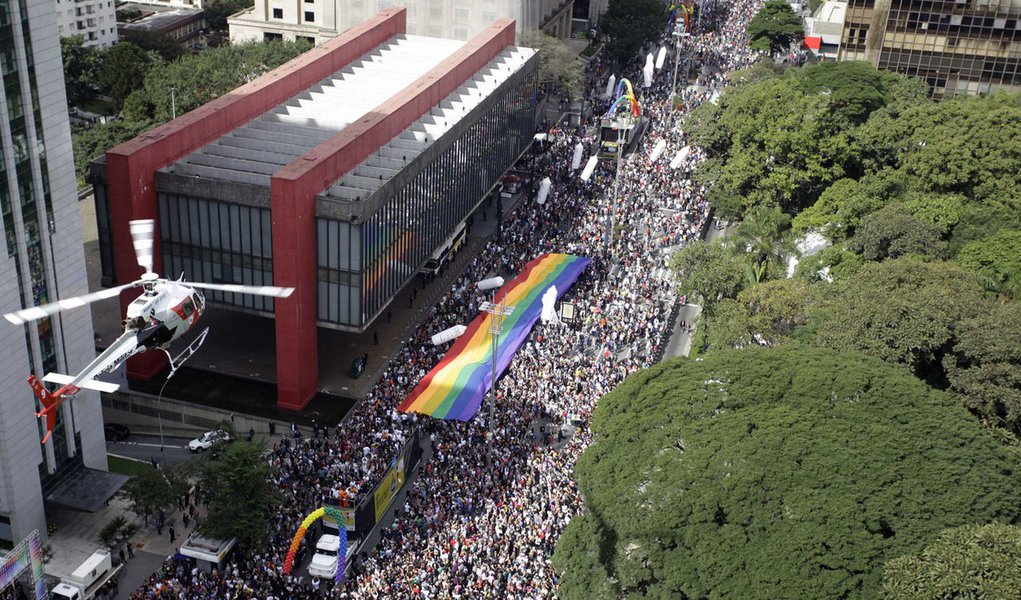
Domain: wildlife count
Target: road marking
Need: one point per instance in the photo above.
(149, 445)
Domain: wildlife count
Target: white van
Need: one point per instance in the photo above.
(324, 563)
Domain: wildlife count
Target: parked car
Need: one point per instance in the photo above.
(115, 432)
(207, 440)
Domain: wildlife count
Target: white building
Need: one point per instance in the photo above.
(320, 20)
(94, 20)
(41, 258)
(823, 30)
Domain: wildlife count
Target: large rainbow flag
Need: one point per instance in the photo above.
(455, 387)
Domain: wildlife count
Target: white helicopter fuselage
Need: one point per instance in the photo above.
(164, 312)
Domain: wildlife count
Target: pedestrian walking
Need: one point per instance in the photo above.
(131, 550)
(172, 533)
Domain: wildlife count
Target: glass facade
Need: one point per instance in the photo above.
(362, 267)
(217, 242)
(31, 204)
(957, 46)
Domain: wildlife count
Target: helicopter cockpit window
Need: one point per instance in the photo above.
(188, 308)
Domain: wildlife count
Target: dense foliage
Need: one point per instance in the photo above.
(775, 27)
(968, 562)
(629, 25)
(151, 89)
(239, 494)
(789, 472)
(560, 69)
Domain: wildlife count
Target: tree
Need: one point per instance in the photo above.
(630, 24)
(775, 308)
(81, 66)
(728, 327)
(162, 44)
(560, 69)
(984, 368)
(216, 15)
(996, 260)
(125, 67)
(708, 271)
(760, 234)
(775, 27)
(901, 310)
(92, 142)
(971, 561)
(155, 490)
(841, 207)
(200, 78)
(788, 472)
(240, 496)
(893, 231)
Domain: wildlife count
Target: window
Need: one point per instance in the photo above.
(309, 16)
(311, 40)
(272, 37)
(278, 13)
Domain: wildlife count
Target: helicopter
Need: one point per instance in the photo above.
(165, 311)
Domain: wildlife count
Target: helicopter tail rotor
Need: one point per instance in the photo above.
(142, 231)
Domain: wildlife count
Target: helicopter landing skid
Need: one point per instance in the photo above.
(177, 361)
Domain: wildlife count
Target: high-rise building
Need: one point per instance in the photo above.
(42, 258)
(957, 46)
(94, 20)
(320, 20)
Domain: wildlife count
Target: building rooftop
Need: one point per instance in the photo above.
(255, 151)
(389, 159)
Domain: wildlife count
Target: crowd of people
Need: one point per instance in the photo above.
(483, 516)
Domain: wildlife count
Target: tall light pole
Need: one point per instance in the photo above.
(677, 61)
(497, 314)
(173, 103)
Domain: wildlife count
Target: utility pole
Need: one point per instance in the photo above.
(173, 103)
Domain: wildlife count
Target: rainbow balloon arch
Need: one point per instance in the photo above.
(625, 108)
(299, 535)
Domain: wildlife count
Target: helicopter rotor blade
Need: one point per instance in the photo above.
(258, 290)
(34, 313)
(142, 231)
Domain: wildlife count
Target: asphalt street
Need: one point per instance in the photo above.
(173, 451)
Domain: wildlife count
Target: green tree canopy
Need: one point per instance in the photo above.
(708, 271)
(81, 67)
(201, 78)
(630, 24)
(240, 496)
(996, 260)
(155, 490)
(967, 562)
(984, 367)
(775, 27)
(560, 69)
(788, 472)
(893, 231)
(901, 310)
(125, 67)
(216, 15)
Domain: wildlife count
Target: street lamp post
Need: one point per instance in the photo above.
(497, 313)
(677, 60)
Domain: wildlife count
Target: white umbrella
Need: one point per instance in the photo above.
(661, 58)
(657, 151)
(579, 151)
(544, 187)
(589, 168)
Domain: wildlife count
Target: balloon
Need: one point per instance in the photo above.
(625, 94)
(579, 150)
(303, 528)
(647, 75)
(609, 85)
(657, 151)
(589, 168)
(661, 58)
(544, 187)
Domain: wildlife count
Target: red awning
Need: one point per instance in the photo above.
(813, 42)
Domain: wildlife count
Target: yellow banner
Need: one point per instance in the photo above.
(388, 488)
